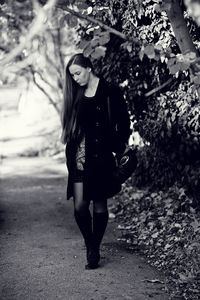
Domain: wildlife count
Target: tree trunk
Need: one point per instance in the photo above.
(179, 26)
(181, 32)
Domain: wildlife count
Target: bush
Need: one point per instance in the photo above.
(171, 129)
(165, 227)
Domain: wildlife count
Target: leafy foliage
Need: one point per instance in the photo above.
(166, 228)
(169, 122)
(14, 21)
(193, 7)
(43, 57)
(171, 126)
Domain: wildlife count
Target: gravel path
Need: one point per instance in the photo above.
(42, 255)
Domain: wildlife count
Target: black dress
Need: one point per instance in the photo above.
(94, 162)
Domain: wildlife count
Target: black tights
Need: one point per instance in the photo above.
(81, 205)
(92, 231)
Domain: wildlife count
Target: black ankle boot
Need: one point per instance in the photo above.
(93, 257)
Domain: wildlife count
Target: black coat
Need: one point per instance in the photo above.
(100, 141)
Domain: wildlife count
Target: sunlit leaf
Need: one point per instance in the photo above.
(81, 4)
(104, 39)
(99, 52)
(149, 51)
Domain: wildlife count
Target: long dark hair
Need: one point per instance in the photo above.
(72, 93)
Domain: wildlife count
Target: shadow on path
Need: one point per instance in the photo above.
(42, 253)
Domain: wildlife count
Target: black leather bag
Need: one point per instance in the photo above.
(125, 166)
(127, 163)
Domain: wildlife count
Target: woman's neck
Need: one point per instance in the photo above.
(92, 85)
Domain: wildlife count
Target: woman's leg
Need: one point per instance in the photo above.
(84, 221)
(100, 220)
(100, 205)
(80, 205)
(82, 214)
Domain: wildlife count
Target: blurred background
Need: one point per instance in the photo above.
(35, 44)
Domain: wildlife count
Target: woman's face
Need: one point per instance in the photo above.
(80, 74)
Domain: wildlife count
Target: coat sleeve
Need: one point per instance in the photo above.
(120, 120)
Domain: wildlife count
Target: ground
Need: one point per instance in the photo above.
(42, 255)
(42, 252)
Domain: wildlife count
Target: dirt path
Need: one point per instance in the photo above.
(42, 255)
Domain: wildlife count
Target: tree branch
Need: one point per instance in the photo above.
(101, 24)
(179, 26)
(20, 65)
(44, 80)
(3, 49)
(56, 52)
(39, 22)
(160, 87)
(59, 43)
(43, 90)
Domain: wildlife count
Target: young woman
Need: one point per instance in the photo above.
(90, 140)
